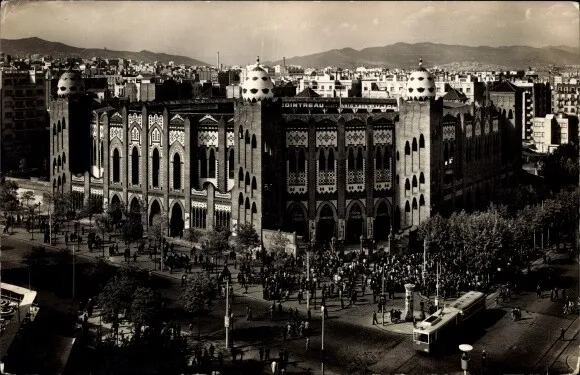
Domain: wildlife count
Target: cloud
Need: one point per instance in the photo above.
(354, 27)
(345, 25)
(418, 16)
(528, 14)
(375, 21)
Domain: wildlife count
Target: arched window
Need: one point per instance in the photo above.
(359, 160)
(407, 185)
(241, 200)
(510, 114)
(254, 209)
(54, 132)
(421, 141)
(247, 179)
(63, 158)
(247, 137)
(407, 207)
(202, 163)
(58, 126)
(241, 132)
(387, 158)
(59, 161)
(241, 175)
(254, 184)
(63, 124)
(407, 148)
(211, 166)
(155, 169)
(414, 144)
(291, 161)
(414, 203)
(301, 160)
(135, 166)
(379, 159)
(116, 166)
(321, 161)
(350, 159)
(64, 179)
(247, 206)
(231, 164)
(421, 178)
(330, 160)
(414, 181)
(421, 200)
(254, 143)
(176, 171)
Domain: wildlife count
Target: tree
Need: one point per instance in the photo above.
(116, 297)
(115, 212)
(191, 235)
(9, 203)
(93, 206)
(98, 274)
(217, 241)
(104, 223)
(144, 309)
(361, 363)
(34, 257)
(561, 167)
(246, 238)
(132, 228)
(196, 296)
(27, 196)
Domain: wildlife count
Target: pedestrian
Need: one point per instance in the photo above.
(562, 332)
(183, 280)
(483, 359)
(307, 345)
(539, 292)
(135, 257)
(261, 351)
(309, 314)
(375, 321)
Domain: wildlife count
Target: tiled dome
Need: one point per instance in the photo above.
(421, 84)
(258, 86)
(70, 83)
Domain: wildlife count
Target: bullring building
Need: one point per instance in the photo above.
(320, 167)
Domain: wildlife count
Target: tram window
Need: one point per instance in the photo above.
(422, 337)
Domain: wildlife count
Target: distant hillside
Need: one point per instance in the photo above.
(404, 55)
(30, 46)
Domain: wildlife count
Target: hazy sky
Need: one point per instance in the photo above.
(242, 30)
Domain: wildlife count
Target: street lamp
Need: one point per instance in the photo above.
(322, 349)
(227, 315)
(465, 348)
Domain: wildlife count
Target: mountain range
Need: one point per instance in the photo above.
(404, 55)
(398, 55)
(30, 46)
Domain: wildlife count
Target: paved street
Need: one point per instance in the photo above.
(529, 344)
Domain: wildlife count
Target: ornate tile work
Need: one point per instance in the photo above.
(326, 138)
(80, 189)
(101, 131)
(135, 135)
(135, 118)
(96, 191)
(383, 137)
(223, 207)
(230, 139)
(156, 120)
(477, 129)
(297, 138)
(195, 204)
(297, 182)
(156, 136)
(355, 179)
(448, 132)
(115, 132)
(325, 180)
(227, 195)
(468, 129)
(199, 193)
(207, 138)
(495, 125)
(177, 136)
(208, 119)
(80, 178)
(177, 120)
(116, 117)
(355, 137)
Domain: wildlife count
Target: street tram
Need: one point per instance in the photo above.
(443, 325)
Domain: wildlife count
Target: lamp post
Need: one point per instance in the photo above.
(322, 349)
(227, 315)
(308, 275)
(383, 297)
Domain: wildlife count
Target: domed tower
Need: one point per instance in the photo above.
(70, 84)
(258, 85)
(258, 193)
(70, 124)
(421, 84)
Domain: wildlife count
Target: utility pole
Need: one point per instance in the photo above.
(322, 361)
(73, 269)
(308, 276)
(383, 298)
